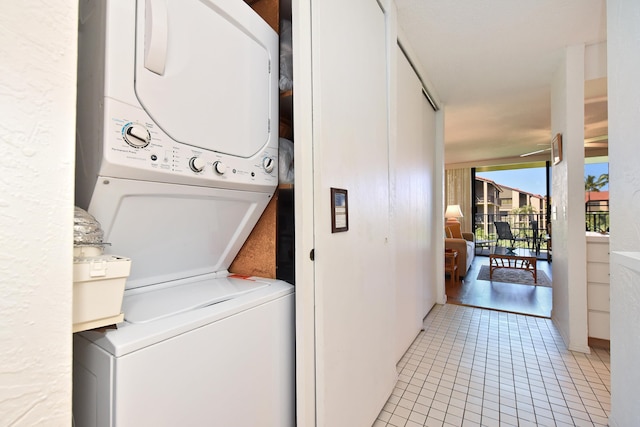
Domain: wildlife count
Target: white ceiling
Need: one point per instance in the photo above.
(491, 63)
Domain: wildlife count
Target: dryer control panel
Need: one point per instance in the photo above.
(136, 148)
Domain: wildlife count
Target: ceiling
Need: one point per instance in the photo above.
(491, 63)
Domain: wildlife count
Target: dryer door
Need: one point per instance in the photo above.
(206, 72)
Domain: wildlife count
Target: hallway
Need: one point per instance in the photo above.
(476, 367)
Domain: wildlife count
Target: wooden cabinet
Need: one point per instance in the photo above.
(598, 286)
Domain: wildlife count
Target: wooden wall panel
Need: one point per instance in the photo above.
(258, 255)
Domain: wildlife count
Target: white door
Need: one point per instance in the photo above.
(345, 304)
(414, 200)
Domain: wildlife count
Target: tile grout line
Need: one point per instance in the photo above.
(477, 355)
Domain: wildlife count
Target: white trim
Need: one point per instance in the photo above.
(306, 411)
(411, 56)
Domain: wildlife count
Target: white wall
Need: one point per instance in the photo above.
(37, 106)
(567, 202)
(623, 34)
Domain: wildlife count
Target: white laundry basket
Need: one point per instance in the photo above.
(98, 287)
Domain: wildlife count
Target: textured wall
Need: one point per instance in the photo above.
(567, 202)
(37, 110)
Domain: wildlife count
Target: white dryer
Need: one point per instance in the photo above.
(177, 159)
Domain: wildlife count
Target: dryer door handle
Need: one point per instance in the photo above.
(156, 35)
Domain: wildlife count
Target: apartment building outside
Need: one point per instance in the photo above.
(498, 202)
(597, 211)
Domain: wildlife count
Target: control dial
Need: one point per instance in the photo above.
(197, 164)
(136, 135)
(268, 164)
(219, 167)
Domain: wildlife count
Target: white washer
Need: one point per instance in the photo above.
(177, 364)
(177, 159)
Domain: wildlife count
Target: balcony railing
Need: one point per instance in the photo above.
(490, 200)
(529, 228)
(597, 221)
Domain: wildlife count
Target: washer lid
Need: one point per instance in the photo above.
(172, 232)
(157, 304)
(130, 337)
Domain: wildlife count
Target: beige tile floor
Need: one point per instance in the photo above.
(477, 367)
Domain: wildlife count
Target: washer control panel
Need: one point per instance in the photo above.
(134, 146)
(136, 135)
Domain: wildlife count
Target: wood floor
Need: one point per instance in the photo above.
(509, 297)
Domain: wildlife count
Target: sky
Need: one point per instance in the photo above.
(597, 169)
(532, 180)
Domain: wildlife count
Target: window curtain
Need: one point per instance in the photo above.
(457, 191)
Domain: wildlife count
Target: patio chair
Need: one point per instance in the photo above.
(504, 233)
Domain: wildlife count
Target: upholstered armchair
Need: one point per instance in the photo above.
(462, 242)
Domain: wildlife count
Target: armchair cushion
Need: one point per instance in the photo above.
(454, 230)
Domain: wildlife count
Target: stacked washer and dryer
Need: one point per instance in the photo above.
(177, 149)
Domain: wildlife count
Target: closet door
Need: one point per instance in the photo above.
(347, 292)
(414, 199)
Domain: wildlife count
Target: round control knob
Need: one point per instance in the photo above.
(136, 135)
(268, 164)
(219, 168)
(197, 164)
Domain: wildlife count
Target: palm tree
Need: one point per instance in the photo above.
(524, 215)
(593, 184)
(604, 179)
(528, 209)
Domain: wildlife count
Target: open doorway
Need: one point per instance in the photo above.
(515, 197)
